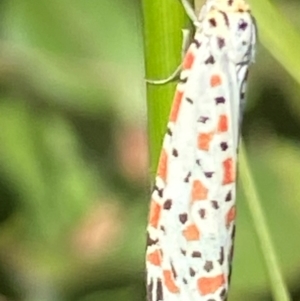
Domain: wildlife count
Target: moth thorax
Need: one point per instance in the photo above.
(228, 5)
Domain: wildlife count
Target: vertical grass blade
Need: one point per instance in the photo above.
(279, 289)
(163, 22)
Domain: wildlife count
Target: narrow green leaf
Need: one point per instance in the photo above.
(278, 35)
(279, 289)
(163, 22)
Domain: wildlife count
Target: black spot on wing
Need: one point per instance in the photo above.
(150, 241)
(208, 266)
(159, 291)
(222, 255)
(233, 232)
(228, 197)
(167, 204)
(224, 146)
(196, 254)
(208, 174)
(183, 218)
(187, 178)
(192, 272)
(243, 25)
(221, 42)
(175, 152)
(220, 100)
(202, 213)
(223, 294)
(160, 192)
(212, 22)
(209, 60)
(225, 18)
(189, 100)
(150, 291)
(215, 204)
(173, 271)
(203, 119)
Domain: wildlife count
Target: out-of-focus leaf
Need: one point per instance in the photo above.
(39, 155)
(57, 48)
(282, 219)
(285, 163)
(278, 35)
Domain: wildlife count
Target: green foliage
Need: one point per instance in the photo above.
(279, 289)
(73, 174)
(67, 207)
(278, 35)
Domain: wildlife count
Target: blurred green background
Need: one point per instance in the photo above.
(74, 181)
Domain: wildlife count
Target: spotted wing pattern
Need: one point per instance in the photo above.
(192, 213)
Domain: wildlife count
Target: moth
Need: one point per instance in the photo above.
(191, 224)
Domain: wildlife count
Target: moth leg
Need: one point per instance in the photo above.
(189, 10)
(175, 75)
(186, 41)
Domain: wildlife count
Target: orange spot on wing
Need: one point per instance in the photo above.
(229, 171)
(230, 216)
(208, 285)
(175, 106)
(191, 233)
(204, 140)
(188, 60)
(169, 282)
(223, 124)
(199, 191)
(215, 80)
(163, 165)
(155, 258)
(155, 211)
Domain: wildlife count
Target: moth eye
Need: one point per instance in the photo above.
(242, 25)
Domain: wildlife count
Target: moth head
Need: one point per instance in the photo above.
(229, 5)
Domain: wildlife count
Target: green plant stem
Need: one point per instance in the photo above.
(279, 289)
(163, 23)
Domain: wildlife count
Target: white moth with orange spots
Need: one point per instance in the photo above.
(192, 215)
